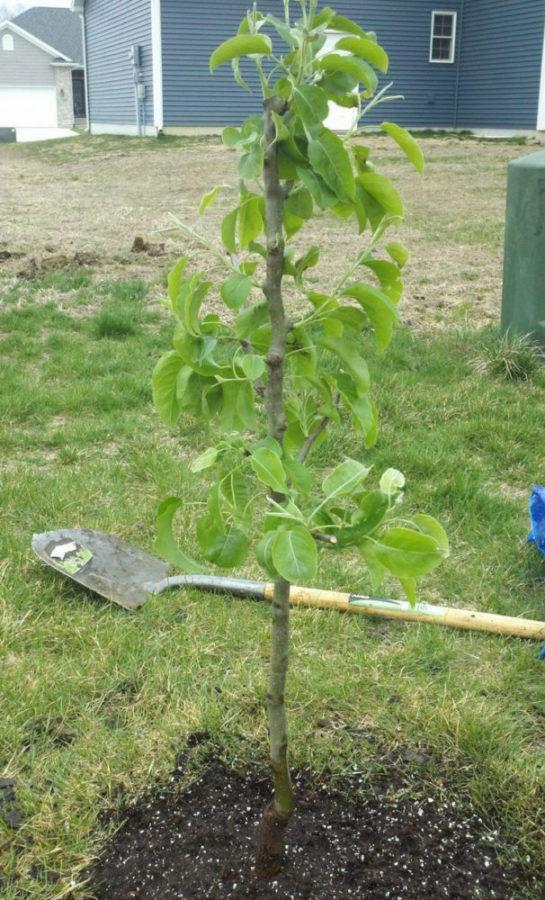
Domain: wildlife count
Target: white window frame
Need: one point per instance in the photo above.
(8, 44)
(444, 12)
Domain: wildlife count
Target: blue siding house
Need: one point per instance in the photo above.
(477, 64)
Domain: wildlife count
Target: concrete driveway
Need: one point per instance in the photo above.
(25, 135)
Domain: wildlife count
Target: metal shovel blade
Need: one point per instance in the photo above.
(103, 563)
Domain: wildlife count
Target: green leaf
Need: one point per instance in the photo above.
(339, 86)
(196, 352)
(263, 553)
(398, 252)
(373, 508)
(299, 474)
(389, 276)
(344, 25)
(351, 359)
(250, 221)
(208, 200)
(431, 526)
(376, 213)
(282, 130)
(351, 317)
(294, 554)
(242, 45)
(323, 302)
(164, 543)
(270, 443)
(381, 310)
(405, 140)
(409, 586)
(232, 137)
(269, 469)
(251, 319)
(235, 290)
(330, 160)
(164, 387)
(292, 224)
(310, 104)
(344, 479)
(226, 548)
(174, 281)
(406, 553)
(192, 392)
(250, 164)
(284, 31)
(321, 193)
(367, 49)
(205, 460)
(228, 231)
(237, 489)
(299, 203)
(308, 261)
(358, 69)
(362, 408)
(392, 482)
(238, 412)
(382, 189)
(237, 75)
(361, 155)
(329, 18)
(253, 366)
(192, 296)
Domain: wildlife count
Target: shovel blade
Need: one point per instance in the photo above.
(102, 563)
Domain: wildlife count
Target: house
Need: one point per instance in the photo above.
(41, 70)
(476, 64)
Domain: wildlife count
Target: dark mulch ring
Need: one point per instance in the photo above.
(199, 844)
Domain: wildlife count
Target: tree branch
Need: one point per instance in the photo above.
(312, 438)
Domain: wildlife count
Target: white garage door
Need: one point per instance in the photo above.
(28, 107)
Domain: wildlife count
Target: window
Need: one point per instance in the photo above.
(443, 36)
(7, 42)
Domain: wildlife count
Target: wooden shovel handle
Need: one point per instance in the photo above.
(400, 609)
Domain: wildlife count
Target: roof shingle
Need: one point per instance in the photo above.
(60, 28)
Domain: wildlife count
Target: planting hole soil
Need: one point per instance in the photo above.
(199, 843)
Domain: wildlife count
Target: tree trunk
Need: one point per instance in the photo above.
(272, 830)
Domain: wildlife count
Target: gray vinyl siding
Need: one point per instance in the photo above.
(500, 63)
(26, 65)
(112, 28)
(191, 30)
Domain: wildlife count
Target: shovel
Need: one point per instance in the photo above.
(128, 576)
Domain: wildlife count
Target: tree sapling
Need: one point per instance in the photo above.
(274, 379)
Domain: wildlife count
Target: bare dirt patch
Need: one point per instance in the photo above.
(200, 843)
(96, 195)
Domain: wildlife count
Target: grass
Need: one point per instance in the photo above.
(513, 356)
(96, 702)
(88, 146)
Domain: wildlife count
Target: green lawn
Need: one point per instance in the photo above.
(97, 701)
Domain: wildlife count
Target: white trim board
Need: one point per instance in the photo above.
(541, 101)
(157, 59)
(85, 69)
(118, 129)
(33, 40)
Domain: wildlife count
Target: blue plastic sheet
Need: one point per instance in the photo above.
(537, 517)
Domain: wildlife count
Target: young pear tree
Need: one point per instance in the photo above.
(273, 379)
